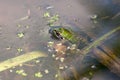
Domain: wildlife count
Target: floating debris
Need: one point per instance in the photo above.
(11, 70)
(56, 75)
(57, 58)
(38, 74)
(8, 48)
(55, 17)
(61, 67)
(20, 65)
(66, 66)
(62, 59)
(24, 74)
(46, 15)
(73, 47)
(20, 35)
(21, 72)
(90, 73)
(63, 52)
(18, 25)
(46, 71)
(60, 47)
(27, 26)
(49, 7)
(50, 50)
(59, 44)
(26, 17)
(51, 19)
(56, 50)
(19, 50)
(93, 17)
(37, 61)
(53, 55)
(50, 44)
(93, 66)
(68, 47)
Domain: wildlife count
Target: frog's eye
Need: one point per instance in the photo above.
(57, 34)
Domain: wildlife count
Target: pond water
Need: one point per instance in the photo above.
(73, 13)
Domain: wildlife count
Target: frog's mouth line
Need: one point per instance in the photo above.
(57, 35)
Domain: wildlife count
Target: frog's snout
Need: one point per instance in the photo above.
(55, 34)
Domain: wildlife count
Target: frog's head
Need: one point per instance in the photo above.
(56, 32)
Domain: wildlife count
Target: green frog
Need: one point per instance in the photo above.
(62, 33)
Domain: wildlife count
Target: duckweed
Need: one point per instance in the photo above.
(38, 74)
(46, 14)
(19, 50)
(21, 72)
(20, 35)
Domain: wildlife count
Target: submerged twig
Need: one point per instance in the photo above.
(99, 41)
(26, 17)
(20, 59)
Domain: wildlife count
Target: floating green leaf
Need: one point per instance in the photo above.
(38, 74)
(21, 72)
(19, 50)
(24, 74)
(55, 17)
(47, 14)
